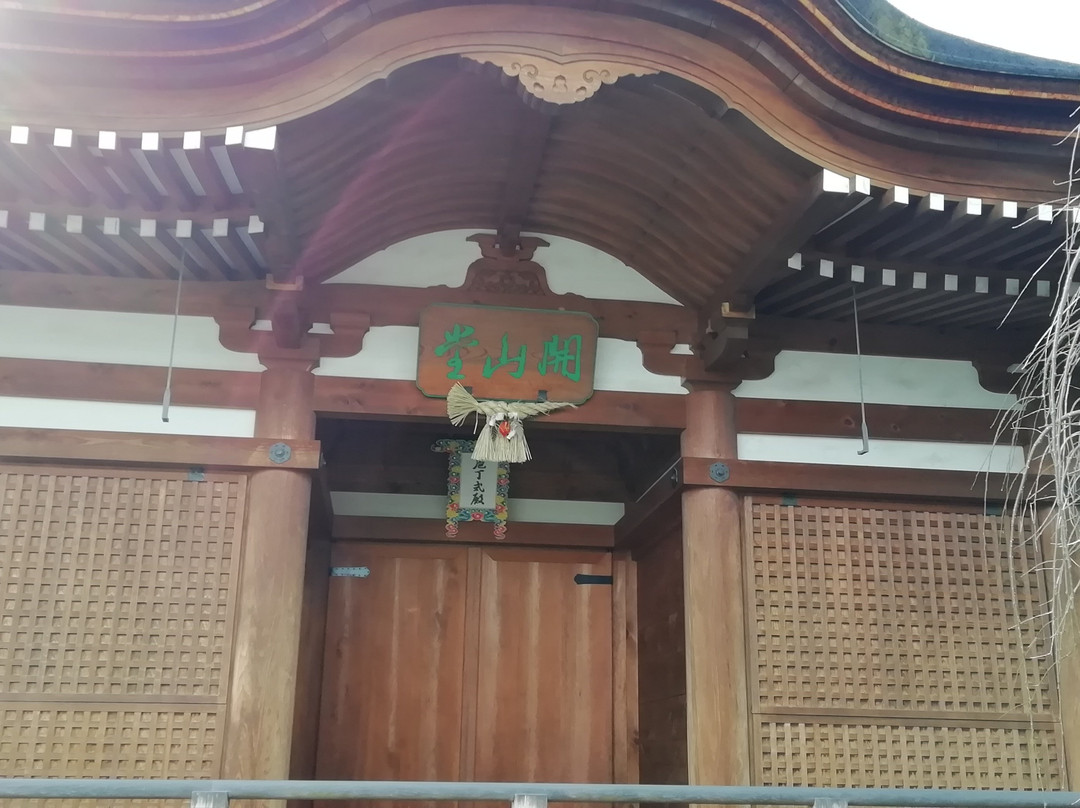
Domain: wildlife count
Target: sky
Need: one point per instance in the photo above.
(1048, 28)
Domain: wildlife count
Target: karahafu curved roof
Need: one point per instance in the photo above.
(882, 20)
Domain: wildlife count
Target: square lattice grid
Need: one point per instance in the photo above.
(116, 586)
(866, 754)
(876, 609)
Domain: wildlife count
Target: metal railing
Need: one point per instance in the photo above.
(218, 793)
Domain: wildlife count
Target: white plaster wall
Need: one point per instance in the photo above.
(806, 376)
(424, 506)
(882, 454)
(389, 352)
(441, 259)
(107, 416)
(619, 366)
(119, 338)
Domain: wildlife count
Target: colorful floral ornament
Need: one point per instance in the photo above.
(455, 513)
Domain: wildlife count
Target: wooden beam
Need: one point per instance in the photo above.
(390, 399)
(640, 515)
(817, 205)
(263, 179)
(385, 305)
(402, 306)
(378, 528)
(906, 269)
(385, 398)
(757, 475)
(410, 476)
(237, 211)
(68, 445)
(94, 381)
(530, 143)
(397, 399)
(149, 296)
(917, 342)
(885, 421)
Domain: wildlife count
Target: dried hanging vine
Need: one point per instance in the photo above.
(1044, 500)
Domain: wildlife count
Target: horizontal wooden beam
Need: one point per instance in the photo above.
(386, 398)
(534, 480)
(63, 445)
(386, 305)
(389, 398)
(885, 421)
(140, 295)
(236, 209)
(377, 528)
(135, 384)
(916, 342)
(641, 516)
(754, 475)
(334, 396)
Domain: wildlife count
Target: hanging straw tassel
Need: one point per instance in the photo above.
(460, 405)
(502, 437)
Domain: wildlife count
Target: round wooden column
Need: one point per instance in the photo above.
(260, 713)
(718, 731)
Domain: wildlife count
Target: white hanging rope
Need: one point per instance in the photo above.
(858, 359)
(166, 399)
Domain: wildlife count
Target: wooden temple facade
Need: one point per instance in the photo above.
(264, 206)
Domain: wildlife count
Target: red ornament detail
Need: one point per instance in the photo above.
(504, 428)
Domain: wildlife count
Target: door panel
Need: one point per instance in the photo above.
(393, 674)
(454, 663)
(543, 703)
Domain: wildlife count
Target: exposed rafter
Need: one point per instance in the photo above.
(824, 199)
(530, 143)
(264, 181)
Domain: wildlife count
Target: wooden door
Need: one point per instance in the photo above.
(454, 663)
(544, 683)
(392, 688)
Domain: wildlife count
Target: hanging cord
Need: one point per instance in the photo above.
(166, 399)
(858, 358)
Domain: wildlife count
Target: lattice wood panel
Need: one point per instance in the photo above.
(116, 586)
(117, 594)
(56, 739)
(902, 611)
(864, 754)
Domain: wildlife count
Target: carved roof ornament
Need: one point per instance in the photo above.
(558, 83)
(495, 272)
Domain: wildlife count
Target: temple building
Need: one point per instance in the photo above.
(753, 276)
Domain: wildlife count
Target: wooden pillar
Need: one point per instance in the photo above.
(1068, 676)
(718, 739)
(260, 714)
(1066, 658)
